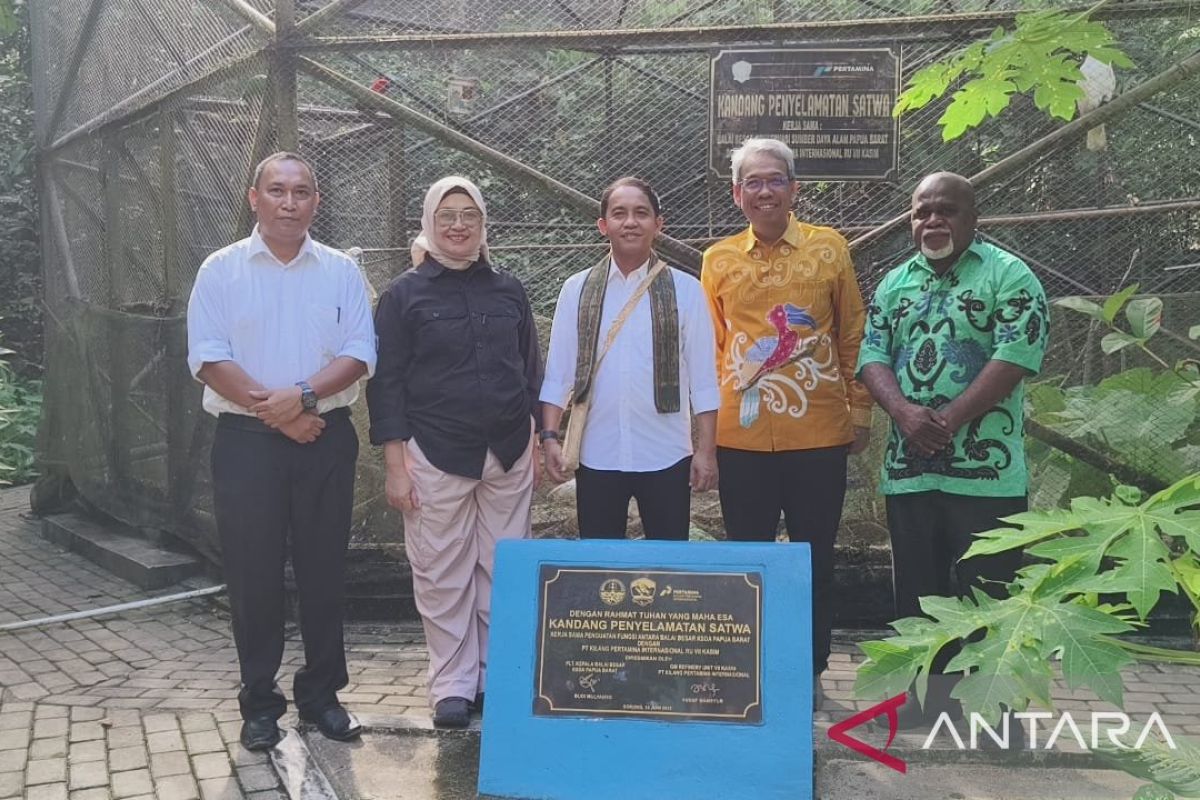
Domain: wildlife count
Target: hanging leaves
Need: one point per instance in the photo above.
(1041, 54)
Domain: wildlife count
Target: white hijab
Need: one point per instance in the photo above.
(425, 244)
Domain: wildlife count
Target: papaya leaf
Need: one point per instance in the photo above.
(1174, 769)
(1035, 526)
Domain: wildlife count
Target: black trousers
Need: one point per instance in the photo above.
(664, 501)
(269, 491)
(807, 487)
(930, 531)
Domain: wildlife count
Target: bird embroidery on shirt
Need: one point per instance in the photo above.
(772, 352)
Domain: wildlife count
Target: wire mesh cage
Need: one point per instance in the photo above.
(151, 116)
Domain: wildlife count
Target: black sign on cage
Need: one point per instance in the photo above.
(832, 106)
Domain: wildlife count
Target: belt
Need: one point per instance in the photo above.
(242, 422)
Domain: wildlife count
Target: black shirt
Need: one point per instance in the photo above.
(458, 366)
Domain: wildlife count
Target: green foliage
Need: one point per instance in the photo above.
(1146, 420)
(1174, 772)
(1041, 55)
(1142, 419)
(1052, 611)
(20, 268)
(20, 409)
(9, 22)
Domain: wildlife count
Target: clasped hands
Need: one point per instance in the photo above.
(283, 411)
(927, 430)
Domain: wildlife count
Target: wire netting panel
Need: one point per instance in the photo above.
(398, 17)
(169, 110)
(129, 54)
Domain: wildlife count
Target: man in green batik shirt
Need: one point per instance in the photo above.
(950, 337)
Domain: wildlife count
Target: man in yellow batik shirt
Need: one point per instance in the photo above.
(789, 319)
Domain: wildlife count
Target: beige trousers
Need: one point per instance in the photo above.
(451, 545)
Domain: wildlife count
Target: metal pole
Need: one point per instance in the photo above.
(322, 15)
(286, 119)
(98, 612)
(252, 15)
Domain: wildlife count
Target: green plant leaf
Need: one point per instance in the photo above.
(1194, 332)
(1114, 303)
(1141, 572)
(1088, 544)
(1176, 770)
(926, 85)
(1117, 340)
(1188, 567)
(1145, 316)
(1129, 495)
(974, 102)
(1058, 98)
(888, 670)
(1111, 56)
(1035, 526)
(1082, 305)
(1088, 658)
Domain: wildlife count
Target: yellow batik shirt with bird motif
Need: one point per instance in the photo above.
(789, 320)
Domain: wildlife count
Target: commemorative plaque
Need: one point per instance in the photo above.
(832, 106)
(666, 645)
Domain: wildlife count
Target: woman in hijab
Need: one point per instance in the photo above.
(452, 403)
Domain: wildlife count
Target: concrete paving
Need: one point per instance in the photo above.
(143, 705)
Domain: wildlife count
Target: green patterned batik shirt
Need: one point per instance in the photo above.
(937, 333)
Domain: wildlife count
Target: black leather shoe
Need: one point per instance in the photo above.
(260, 733)
(477, 706)
(334, 722)
(452, 712)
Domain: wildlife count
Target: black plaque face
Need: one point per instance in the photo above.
(833, 107)
(672, 645)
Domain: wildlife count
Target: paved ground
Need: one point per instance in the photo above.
(142, 705)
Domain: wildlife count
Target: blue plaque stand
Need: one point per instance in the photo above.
(541, 742)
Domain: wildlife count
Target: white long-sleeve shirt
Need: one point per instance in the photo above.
(624, 430)
(281, 323)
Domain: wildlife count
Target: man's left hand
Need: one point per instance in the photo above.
(862, 438)
(704, 471)
(277, 406)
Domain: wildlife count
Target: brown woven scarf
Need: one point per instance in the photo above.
(664, 314)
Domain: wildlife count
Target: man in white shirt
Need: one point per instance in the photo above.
(661, 368)
(279, 332)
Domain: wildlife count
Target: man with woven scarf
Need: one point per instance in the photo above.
(789, 316)
(632, 343)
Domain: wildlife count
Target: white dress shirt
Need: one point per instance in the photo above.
(624, 430)
(281, 323)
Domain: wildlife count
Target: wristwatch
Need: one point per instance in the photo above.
(546, 434)
(308, 398)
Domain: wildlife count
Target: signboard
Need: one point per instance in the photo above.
(672, 645)
(620, 669)
(833, 107)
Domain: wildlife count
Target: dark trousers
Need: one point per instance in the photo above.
(269, 491)
(807, 487)
(930, 531)
(664, 501)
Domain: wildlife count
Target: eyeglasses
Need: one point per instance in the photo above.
(450, 216)
(774, 183)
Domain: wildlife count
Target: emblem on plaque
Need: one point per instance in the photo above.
(642, 590)
(612, 592)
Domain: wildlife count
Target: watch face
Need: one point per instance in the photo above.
(308, 400)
